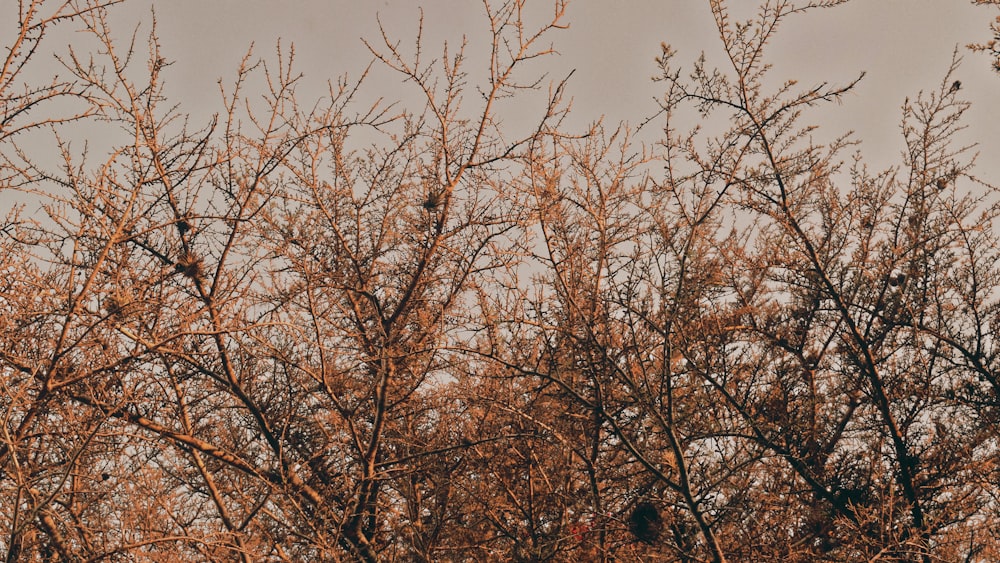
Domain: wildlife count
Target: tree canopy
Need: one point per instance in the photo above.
(345, 329)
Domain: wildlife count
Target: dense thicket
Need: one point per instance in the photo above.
(333, 330)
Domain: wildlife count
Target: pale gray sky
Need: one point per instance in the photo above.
(904, 45)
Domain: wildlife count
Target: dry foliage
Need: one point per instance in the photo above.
(258, 339)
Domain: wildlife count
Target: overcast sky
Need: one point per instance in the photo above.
(903, 45)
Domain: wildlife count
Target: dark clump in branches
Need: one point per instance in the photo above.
(189, 265)
(645, 523)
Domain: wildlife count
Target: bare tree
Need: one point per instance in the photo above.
(833, 282)
(993, 45)
(345, 330)
(255, 312)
